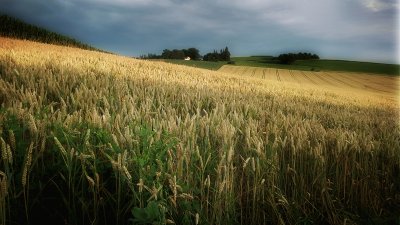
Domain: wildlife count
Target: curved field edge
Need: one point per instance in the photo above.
(106, 139)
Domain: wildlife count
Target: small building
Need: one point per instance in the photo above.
(187, 58)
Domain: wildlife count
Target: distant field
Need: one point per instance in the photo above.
(320, 65)
(303, 65)
(347, 81)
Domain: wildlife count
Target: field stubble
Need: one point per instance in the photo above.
(118, 140)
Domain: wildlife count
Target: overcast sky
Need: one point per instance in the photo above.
(342, 29)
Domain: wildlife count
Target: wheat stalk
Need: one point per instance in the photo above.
(4, 152)
(60, 147)
(12, 140)
(28, 161)
(4, 185)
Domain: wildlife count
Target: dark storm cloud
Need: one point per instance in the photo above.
(359, 29)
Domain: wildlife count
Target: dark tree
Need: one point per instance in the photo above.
(211, 57)
(222, 55)
(290, 58)
(177, 54)
(225, 54)
(150, 56)
(287, 58)
(166, 54)
(193, 53)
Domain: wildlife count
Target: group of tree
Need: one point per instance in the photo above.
(15, 28)
(289, 58)
(222, 55)
(193, 53)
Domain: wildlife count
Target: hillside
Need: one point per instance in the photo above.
(95, 138)
(15, 28)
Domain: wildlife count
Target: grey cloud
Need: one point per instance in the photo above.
(135, 27)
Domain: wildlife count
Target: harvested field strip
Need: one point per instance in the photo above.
(308, 78)
(320, 80)
(295, 78)
(342, 82)
(285, 76)
(373, 82)
(300, 78)
(330, 80)
(349, 80)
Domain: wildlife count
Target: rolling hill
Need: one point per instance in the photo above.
(321, 65)
(95, 138)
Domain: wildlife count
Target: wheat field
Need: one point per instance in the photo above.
(95, 138)
(387, 87)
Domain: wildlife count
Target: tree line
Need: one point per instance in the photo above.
(289, 58)
(193, 53)
(15, 28)
(222, 55)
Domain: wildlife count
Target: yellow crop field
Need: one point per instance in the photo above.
(386, 87)
(95, 138)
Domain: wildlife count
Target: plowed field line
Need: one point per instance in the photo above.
(299, 77)
(324, 79)
(356, 81)
(285, 76)
(333, 76)
(376, 89)
(368, 83)
(383, 82)
(294, 77)
(336, 80)
(302, 72)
